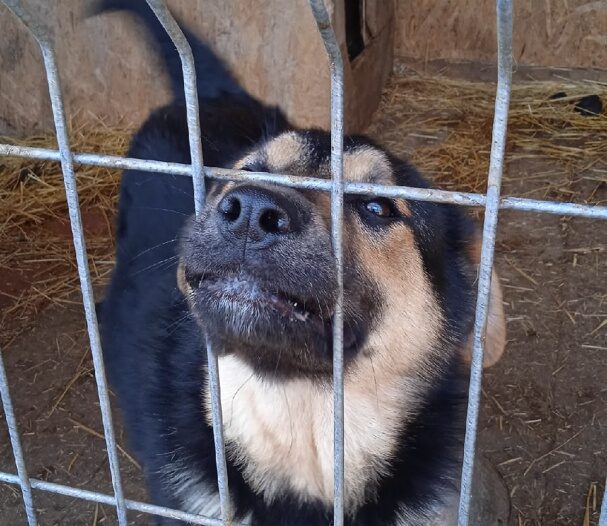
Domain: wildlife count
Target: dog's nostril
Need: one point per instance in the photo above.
(274, 222)
(230, 208)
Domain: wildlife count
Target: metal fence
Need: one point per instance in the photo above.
(492, 202)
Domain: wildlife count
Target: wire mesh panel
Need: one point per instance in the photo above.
(41, 34)
(491, 201)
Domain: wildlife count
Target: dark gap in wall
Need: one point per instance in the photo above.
(354, 28)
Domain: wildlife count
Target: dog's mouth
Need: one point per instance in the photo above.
(245, 290)
(263, 310)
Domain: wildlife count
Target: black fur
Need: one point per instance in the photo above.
(154, 350)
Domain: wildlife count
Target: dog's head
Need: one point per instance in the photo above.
(258, 270)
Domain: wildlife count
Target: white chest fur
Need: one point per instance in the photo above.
(281, 433)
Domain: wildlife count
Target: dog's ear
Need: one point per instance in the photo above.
(182, 284)
(495, 337)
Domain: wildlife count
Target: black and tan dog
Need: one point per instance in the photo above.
(255, 273)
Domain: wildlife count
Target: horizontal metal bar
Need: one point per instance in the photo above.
(553, 207)
(310, 183)
(104, 498)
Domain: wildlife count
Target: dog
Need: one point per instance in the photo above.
(254, 275)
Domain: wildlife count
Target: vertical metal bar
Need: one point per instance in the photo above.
(191, 96)
(337, 202)
(193, 118)
(41, 33)
(13, 433)
(500, 122)
(217, 418)
(603, 517)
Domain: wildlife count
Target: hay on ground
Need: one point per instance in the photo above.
(37, 260)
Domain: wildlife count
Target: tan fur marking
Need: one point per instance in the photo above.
(322, 206)
(285, 151)
(282, 433)
(249, 159)
(182, 284)
(402, 207)
(409, 328)
(367, 165)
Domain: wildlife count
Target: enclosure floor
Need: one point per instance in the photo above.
(544, 409)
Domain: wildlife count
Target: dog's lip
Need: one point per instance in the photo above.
(242, 289)
(239, 287)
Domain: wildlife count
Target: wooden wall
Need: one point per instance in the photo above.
(561, 33)
(108, 70)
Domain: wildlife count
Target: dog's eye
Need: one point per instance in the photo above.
(255, 166)
(380, 207)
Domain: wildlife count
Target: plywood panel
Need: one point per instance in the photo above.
(562, 33)
(108, 70)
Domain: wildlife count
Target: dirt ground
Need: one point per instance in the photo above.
(544, 410)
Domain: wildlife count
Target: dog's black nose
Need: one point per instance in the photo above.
(258, 214)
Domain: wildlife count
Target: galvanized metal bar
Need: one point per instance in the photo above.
(554, 207)
(312, 183)
(603, 517)
(13, 433)
(40, 33)
(103, 498)
(197, 171)
(336, 67)
(191, 97)
(218, 437)
(494, 181)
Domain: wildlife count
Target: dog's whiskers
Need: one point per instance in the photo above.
(174, 240)
(157, 265)
(236, 394)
